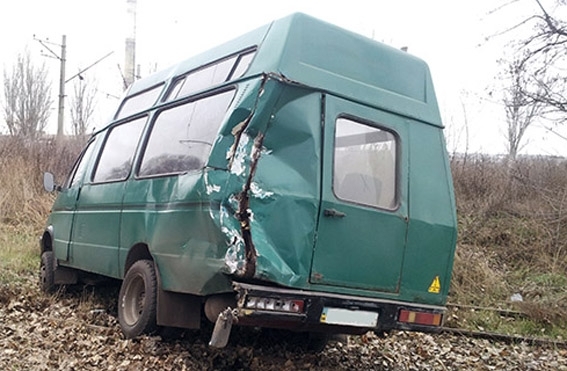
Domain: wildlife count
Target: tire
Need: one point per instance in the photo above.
(47, 272)
(137, 300)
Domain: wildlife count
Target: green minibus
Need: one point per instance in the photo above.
(295, 177)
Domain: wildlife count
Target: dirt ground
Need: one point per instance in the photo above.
(78, 330)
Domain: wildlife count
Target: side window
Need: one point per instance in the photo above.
(182, 137)
(203, 78)
(364, 164)
(116, 158)
(139, 102)
(243, 64)
(80, 167)
(226, 69)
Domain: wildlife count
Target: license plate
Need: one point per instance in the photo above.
(347, 317)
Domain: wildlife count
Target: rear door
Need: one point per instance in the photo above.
(364, 213)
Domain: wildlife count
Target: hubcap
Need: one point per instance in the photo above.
(133, 301)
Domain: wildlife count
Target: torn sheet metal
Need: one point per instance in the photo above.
(235, 254)
(285, 192)
(245, 151)
(258, 192)
(277, 157)
(239, 158)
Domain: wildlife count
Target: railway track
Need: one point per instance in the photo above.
(505, 338)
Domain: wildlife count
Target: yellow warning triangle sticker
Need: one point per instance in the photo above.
(435, 286)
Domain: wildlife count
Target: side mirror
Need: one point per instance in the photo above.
(49, 183)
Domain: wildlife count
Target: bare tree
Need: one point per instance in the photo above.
(521, 109)
(28, 100)
(545, 51)
(82, 104)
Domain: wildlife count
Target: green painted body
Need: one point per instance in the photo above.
(261, 208)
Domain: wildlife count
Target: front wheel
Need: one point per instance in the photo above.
(47, 272)
(137, 300)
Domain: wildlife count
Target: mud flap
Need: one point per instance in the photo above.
(66, 276)
(223, 325)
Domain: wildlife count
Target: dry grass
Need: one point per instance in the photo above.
(24, 205)
(512, 240)
(23, 202)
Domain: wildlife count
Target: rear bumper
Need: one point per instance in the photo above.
(351, 314)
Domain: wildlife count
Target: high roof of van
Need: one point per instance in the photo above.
(327, 58)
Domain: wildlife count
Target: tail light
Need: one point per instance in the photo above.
(274, 304)
(420, 318)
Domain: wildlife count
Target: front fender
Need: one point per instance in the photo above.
(46, 240)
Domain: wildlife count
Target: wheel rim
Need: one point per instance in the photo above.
(133, 301)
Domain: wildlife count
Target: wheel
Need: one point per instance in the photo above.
(137, 300)
(47, 272)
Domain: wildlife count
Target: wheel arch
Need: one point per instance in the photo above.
(46, 240)
(173, 309)
(137, 252)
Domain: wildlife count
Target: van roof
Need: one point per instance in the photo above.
(328, 58)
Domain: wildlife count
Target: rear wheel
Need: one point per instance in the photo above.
(47, 272)
(137, 300)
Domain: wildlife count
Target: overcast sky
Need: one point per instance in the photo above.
(450, 35)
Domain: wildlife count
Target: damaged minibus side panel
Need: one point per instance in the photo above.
(247, 249)
(284, 191)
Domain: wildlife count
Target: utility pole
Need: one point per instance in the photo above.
(62, 59)
(130, 52)
(61, 112)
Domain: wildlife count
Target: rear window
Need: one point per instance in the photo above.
(365, 164)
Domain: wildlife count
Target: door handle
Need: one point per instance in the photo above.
(334, 213)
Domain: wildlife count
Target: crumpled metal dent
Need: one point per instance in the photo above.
(243, 213)
(210, 188)
(238, 166)
(241, 256)
(235, 254)
(259, 193)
